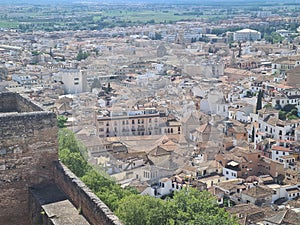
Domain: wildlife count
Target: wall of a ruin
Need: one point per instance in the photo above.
(28, 147)
(96, 212)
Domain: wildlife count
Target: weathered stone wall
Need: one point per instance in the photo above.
(28, 147)
(29, 159)
(96, 212)
(26, 105)
(7, 102)
(14, 102)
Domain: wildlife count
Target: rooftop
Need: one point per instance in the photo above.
(57, 207)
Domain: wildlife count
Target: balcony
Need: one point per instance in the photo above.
(141, 128)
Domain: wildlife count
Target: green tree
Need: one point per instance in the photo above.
(193, 207)
(289, 108)
(240, 49)
(189, 206)
(292, 115)
(259, 101)
(269, 105)
(67, 140)
(142, 210)
(61, 121)
(253, 134)
(105, 188)
(74, 161)
(282, 115)
(82, 55)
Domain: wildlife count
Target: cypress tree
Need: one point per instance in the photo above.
(259, 101)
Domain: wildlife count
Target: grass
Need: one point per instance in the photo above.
(146, 15)
(8, 24)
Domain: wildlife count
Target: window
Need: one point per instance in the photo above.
(76, 78)
(76, 83)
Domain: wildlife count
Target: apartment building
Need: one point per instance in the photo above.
(147, 121)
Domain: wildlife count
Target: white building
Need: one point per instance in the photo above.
(215, 103)
(280, 150)
(74, 81)
(284, 191)
(230, 170)
(271, 125)
(246, 35)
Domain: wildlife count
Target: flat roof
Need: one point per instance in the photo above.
(64, 213)
(57, 207)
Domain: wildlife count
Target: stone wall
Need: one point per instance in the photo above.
(14, 102)
(29, 159)
(96, 212)
(24, 104)
(28, 147)
(7, 102)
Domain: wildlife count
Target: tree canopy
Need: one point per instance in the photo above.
(189, 206)
(82, 55)
(259, 101)
(61, 121)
